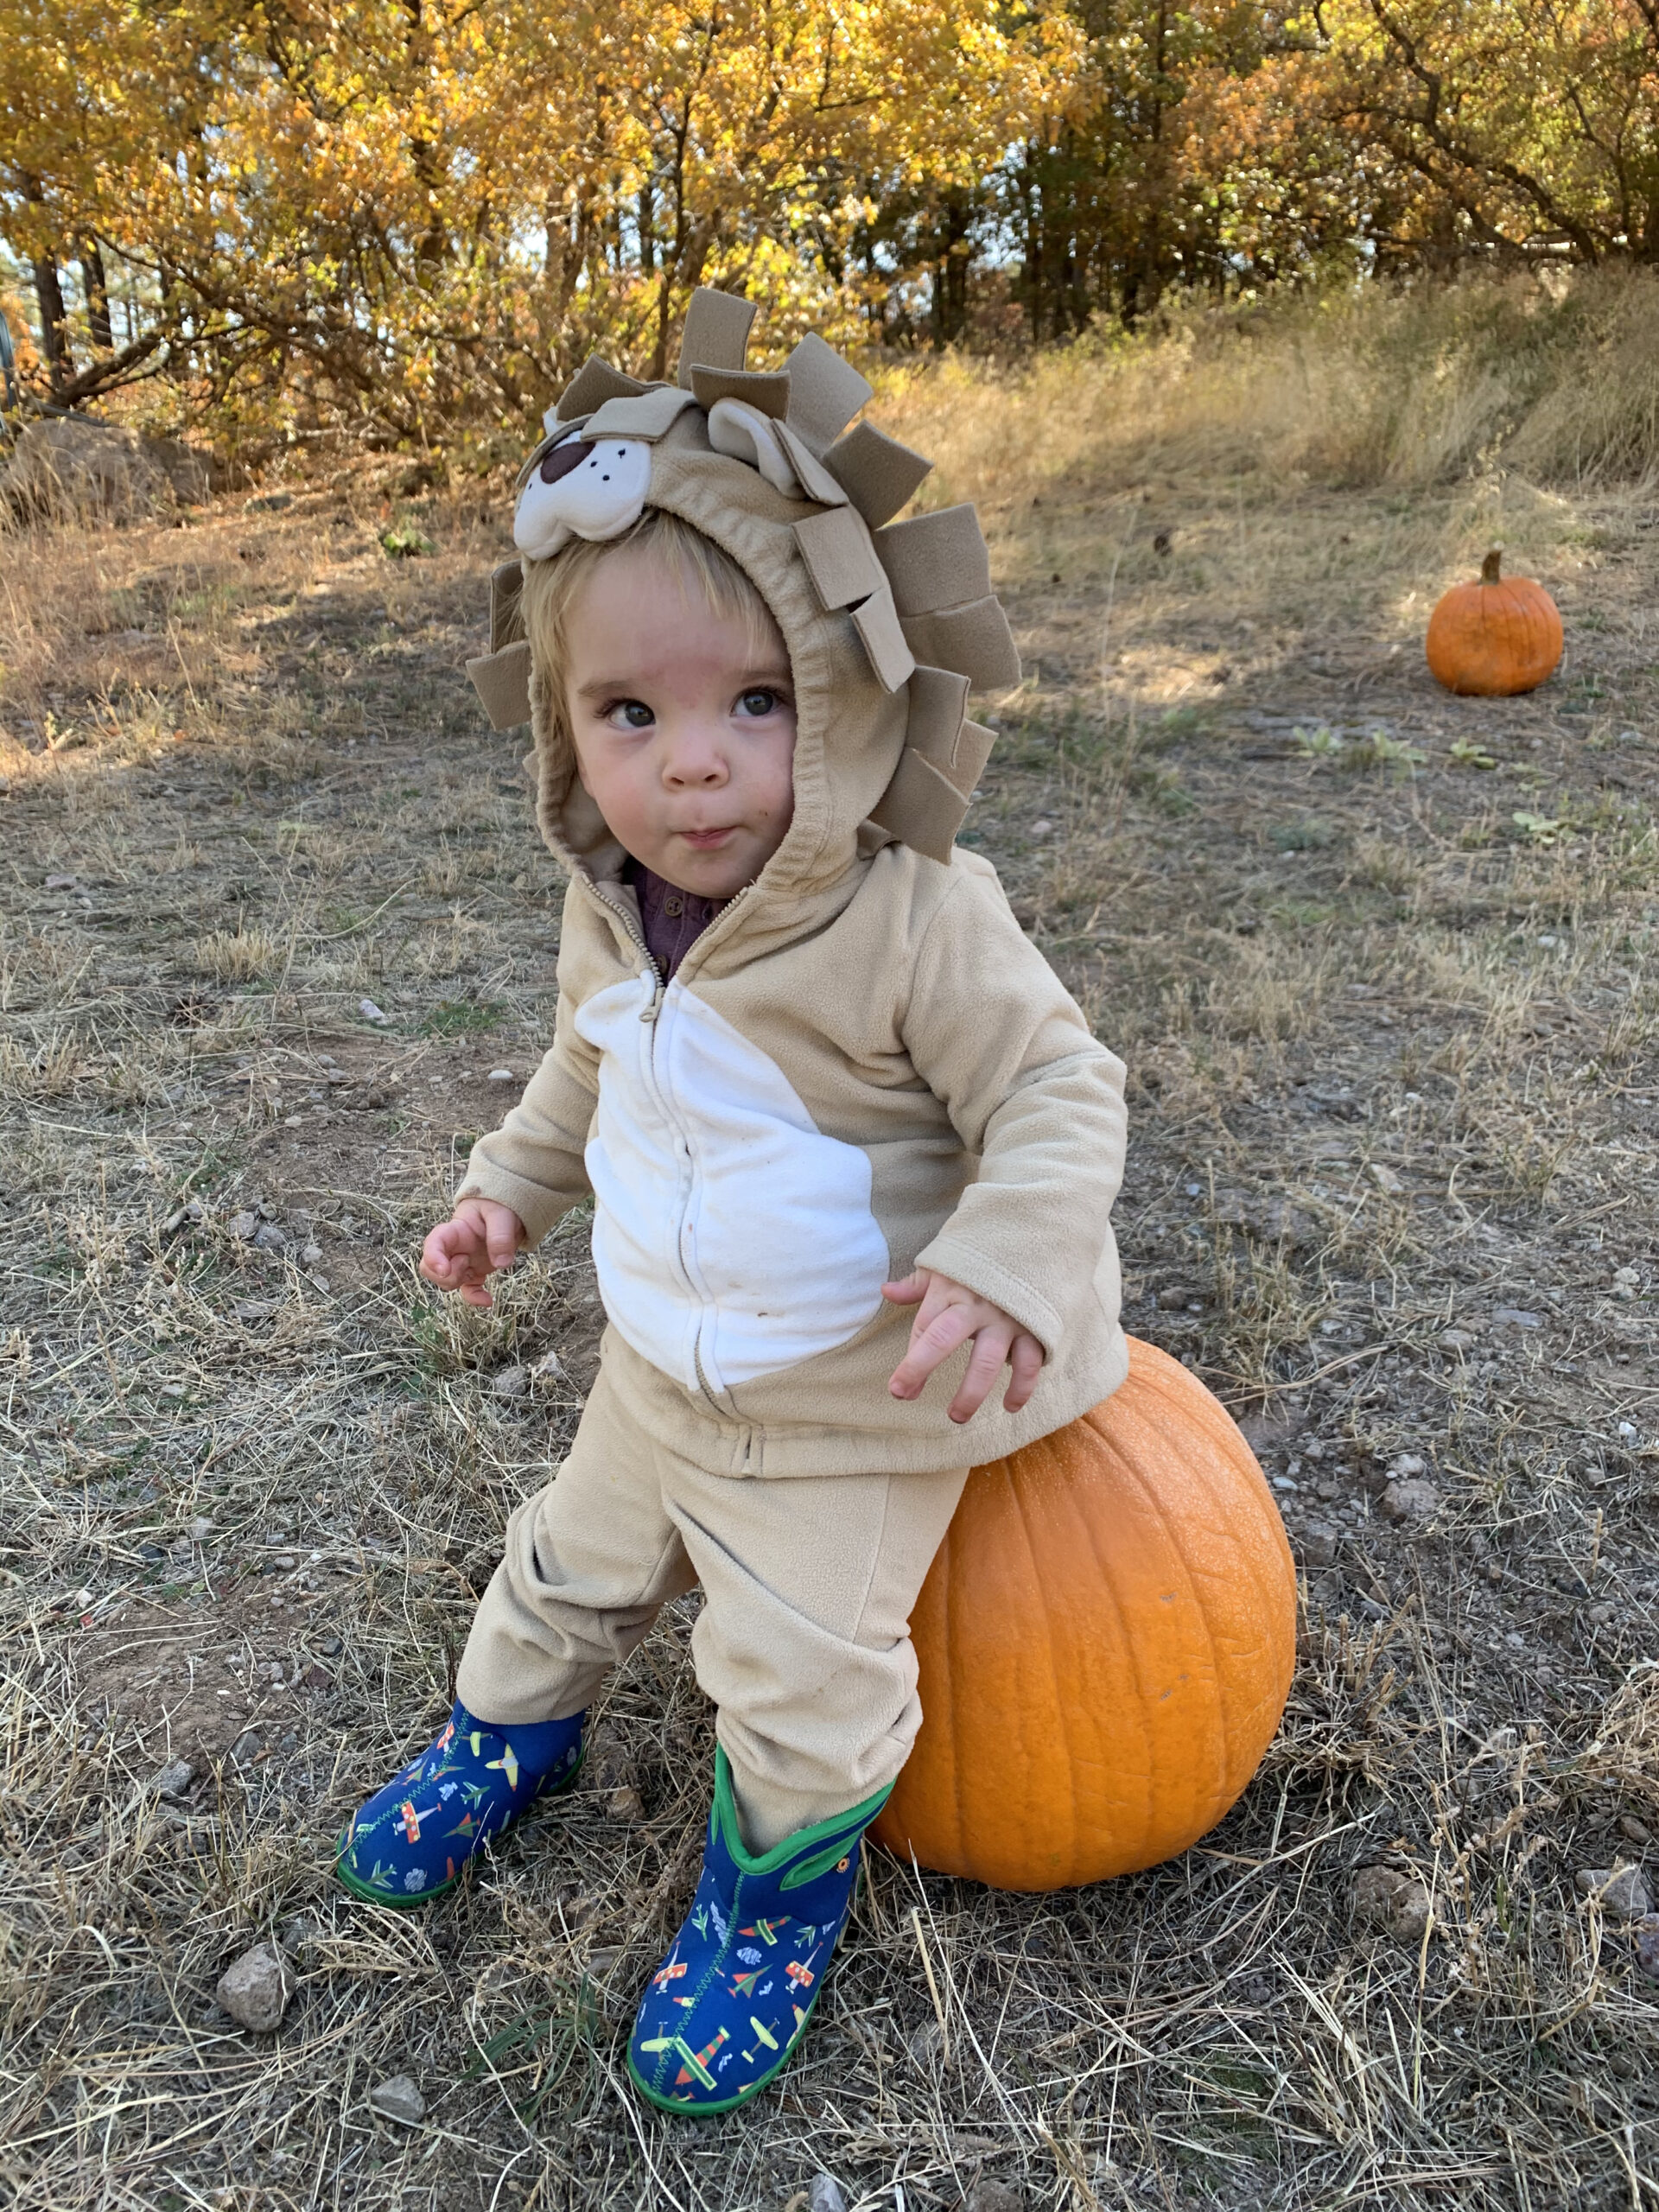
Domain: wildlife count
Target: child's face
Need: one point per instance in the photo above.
(684, 732)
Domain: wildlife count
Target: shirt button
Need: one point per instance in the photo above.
(673, 906)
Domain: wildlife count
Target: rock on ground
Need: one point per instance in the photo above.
(1394, 1901)
(1620, 1890)
(398, 2099)
(68, 468)
(256, 1990)
(1412, 1499)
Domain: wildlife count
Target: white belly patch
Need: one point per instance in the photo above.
(730, 1235)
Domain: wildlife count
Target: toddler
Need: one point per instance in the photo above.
(852, 1150)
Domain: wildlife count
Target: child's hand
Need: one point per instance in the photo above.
(949, 1314)
(462, 1253)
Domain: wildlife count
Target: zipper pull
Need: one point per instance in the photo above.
(648, 1012)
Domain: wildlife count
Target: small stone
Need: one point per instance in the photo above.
(249, 1747)
(1385, 1178)
(1042, 827)
(369, 1012)
(1634, 1830)
(1319, 1544)
(256, 1990)
(243, 1225)
(1626, 1283)
(601, 1961)
(511, 1383)
(1599, 1616)
(292, 1121)
(626, 1804)
(201, 1528)
(268, 1238)
(1458, 1341)
(309, 1255)
(1620, 1890)
(60, 882)
(989, 2195)
(1647, 1947)
(500, 1075)
(1406, 1465)
(1628, 1431)
(549, 1368)
(1410, 1501)
(824, 2194)
(175, 1778)
(172, 1389)
(317, 1678)
(331, 1647)
(254, 1309)
(1396, 1902)
(399, 2100)
(1516, 1316)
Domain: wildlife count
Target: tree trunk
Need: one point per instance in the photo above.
(97, 296)
(54, 336)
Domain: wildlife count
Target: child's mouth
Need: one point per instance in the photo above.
(707, 841)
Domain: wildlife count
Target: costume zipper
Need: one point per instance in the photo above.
(648, 1013)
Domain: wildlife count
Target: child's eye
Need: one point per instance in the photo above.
(760, 703)
(629, 713)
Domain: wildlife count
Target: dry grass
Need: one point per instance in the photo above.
(1392, 1053)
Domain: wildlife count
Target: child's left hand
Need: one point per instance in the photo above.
(949, 1314)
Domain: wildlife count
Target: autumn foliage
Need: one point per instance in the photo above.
(407, 219)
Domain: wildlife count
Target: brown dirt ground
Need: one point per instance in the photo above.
(1383, 966)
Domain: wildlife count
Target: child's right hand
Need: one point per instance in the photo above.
(462, 1253)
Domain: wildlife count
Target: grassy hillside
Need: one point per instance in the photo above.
(1383, 965)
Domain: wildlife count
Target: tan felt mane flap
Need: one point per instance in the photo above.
(766, 389)
(938, 707)
(507, 623)
(975, 640)
(825, 392)
(716, 332)
(595, 383)
(835, 547)
(877, 473)
(935, 561)
(924, 803)
(884, 641)
(502, 682)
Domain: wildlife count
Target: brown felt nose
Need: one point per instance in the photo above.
(563, 459)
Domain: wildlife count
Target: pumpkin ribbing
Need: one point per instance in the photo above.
(1105, 1644)
(1496, 637)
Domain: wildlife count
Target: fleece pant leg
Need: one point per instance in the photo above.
(588, 1563)
(802, 1644)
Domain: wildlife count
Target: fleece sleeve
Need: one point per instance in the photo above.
(534, 1162)
(998, 1039)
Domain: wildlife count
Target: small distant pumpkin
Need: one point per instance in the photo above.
(1498, 636)
(1105, 1640)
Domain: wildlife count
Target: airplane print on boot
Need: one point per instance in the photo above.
(729, 2003)
(410, 1841)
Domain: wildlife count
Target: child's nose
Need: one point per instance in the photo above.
(697, 758)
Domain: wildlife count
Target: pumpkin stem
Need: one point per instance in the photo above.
(1490, 565)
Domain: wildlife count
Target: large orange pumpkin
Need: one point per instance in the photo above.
(1496, 637)
(1106, 1641)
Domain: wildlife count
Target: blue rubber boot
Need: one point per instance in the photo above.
(408, 1844)
(722, 2013)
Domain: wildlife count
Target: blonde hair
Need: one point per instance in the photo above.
(552, 587)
